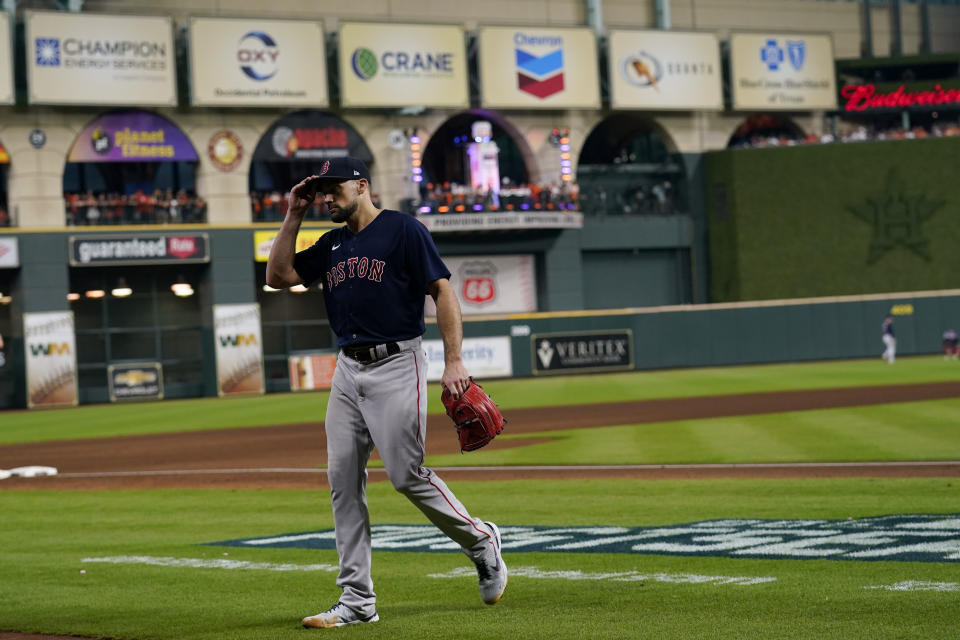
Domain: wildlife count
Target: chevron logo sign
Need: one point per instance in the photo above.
(540, 76)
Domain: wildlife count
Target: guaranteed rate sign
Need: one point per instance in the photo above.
(96, 59)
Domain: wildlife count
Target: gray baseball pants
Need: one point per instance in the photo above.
(383, 404)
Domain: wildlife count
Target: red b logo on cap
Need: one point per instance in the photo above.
(325, 167)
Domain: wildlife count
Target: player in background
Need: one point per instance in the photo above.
(890, 353)
(951, 344)
(376, 271)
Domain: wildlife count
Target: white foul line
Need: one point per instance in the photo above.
(533, 468)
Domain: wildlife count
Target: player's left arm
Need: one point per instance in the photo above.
(455, 376)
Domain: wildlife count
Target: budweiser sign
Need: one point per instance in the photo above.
(865, 97)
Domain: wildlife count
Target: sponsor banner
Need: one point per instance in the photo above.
(484, 357)
(582, 351)
(6, 60)
(905, 538)
(263, 241)
(313, 371)
(664, 70)
(51, 358)
(551, 68)
(782, 71)
(9, 254)
(492, 284)
(132, 136)
(310, 135)
(142, 381)
(438, 222)
(398, 65)
(87, 58)
(254, 62)
(239, 348)
(147, 248)
(869, 97)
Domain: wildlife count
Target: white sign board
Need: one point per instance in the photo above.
(93, 58)
(6, 60)
(665, 70)
(51, 357)
(399, 65)
(548, 68)
(782, 71)
(483, 357)
(239, 348)
(251, 63)
(9, 254)
(492, 284)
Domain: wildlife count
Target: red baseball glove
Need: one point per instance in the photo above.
(475, 415)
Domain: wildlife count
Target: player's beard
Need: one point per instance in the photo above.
(342, 214)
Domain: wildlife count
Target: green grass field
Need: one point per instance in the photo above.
(45, 536)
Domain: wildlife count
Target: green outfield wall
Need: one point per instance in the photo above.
(834, 219)
(740, 333)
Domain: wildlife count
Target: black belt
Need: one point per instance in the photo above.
(369, 353)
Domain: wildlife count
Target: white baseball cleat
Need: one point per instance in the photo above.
(491, 569)
(339, 615)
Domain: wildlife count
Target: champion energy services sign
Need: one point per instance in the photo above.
(398, 65)
(139, 249)
(539, 68)
(96, 59)
(6, 60)
(782, 71)
(255, 62)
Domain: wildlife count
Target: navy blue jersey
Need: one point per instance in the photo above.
(888, 328)
(375, 281)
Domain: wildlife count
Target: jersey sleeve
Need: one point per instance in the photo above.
(311, 263)
(424, 258)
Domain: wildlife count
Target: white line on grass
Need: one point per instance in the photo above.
(203, 563)
(618, 576)
(918, 585)
(591, 467)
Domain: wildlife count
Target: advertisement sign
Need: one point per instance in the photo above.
(582, 351)
(263, 241)
(492, 284)
(225, 150)
(664, 70)
(254, 62)
(484, 357)
(9, 255)
(132, 136)
(51, 359)
(147, 248)
(6, 60)
(782, 71)
(398, 65)
(87, 58)
(550, 68)
(310, 135)
(509, 220)
(239, 348)
(314, 371)
(135, 381)
(870, 97)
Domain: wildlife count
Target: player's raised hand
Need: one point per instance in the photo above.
(302, 195)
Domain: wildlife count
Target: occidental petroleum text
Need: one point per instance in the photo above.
(118, 54)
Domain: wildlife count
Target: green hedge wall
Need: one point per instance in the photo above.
(834, 219)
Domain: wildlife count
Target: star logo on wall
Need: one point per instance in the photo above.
(897, 218)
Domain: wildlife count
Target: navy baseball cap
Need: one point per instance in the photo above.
(343, 169)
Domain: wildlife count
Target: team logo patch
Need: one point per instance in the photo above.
(325, 167)
(908, 538)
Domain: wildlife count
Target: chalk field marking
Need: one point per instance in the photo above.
(587, 467)
(917, 585)
(619, 576)
(203, 563)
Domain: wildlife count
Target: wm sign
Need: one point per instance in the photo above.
(924, 538)
(50, 349)
(238, 340)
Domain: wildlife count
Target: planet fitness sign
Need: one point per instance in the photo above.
(132, 136)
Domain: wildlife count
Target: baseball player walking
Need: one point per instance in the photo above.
(376, 271)
(890, 353)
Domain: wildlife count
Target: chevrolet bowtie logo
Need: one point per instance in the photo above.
(897, 218)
